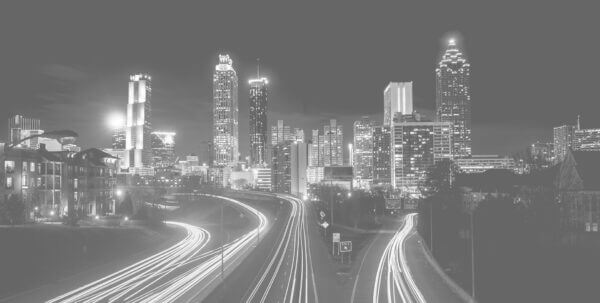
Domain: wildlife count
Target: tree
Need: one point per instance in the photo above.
(14, 210)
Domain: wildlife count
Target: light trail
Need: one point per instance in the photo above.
(169, 275)
(393, 272)
(294, 245)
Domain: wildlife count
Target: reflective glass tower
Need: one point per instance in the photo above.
(225, 113)
(453, 97)
(258, 120)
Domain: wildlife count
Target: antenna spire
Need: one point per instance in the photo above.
(257, 68)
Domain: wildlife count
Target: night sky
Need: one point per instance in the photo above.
(534, 64)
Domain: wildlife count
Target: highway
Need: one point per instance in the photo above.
(289, 275)
(182, 273)
(394, 281)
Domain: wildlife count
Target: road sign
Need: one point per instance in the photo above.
(336, 237)
(325, 224)
(322, 213)
(346, 246)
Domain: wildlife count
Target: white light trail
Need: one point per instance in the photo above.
(394, 271)
(168, 275)
(294, 245)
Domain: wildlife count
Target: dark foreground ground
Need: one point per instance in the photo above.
(32, 256)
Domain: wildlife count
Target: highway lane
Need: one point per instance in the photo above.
(288, 276)
(394, 281)
(182, 273)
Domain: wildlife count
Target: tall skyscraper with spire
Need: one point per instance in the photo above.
(138, 152)
(225, 113)
(453, 97)
(258, 119)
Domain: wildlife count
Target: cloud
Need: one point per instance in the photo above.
(63, 73)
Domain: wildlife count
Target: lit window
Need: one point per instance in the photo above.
(9, 182)
(9, 166)
(32, 167)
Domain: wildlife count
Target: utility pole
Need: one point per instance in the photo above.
(222, 242)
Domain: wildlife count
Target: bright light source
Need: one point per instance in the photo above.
(36, 208)
(119, 192)
(52, 213)
(349, 194)
(126, 218)
(97, 217)
(452, 42)
(116, 120)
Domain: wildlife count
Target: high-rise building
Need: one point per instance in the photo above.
(481, 163)
(137, 134)
(299, 165)
(397, 98)
(118, 138)
(225, 113)
(542, 154)
(564, 136)
(280, 133)
(281, 162)
(258, 120)
(362, 155)
(333, 144)
(163, 149)
(381, 155)
(314, 158)
(20, 127)
(453, 97)
(586, 139)
(417, 144)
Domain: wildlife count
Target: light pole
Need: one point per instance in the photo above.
(472, 256)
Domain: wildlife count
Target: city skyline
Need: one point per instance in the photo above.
(94, 89)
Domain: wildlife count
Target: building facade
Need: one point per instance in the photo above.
(586, 139)
(20, 127)
(281, 167)
(481, 163)
(453, 97)
(225, 113)
(163, 148)
(381, 155)
(564, 136)
(362, 150)
(138, 127)
(258, 121)
(299, 165)
(417, 145)
(397, 98)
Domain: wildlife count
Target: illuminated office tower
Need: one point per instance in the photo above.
(397, 98)
(225, 113)
(564, 137)
(586, 139)
(299, 165)
(118, 138)
(138, 152)
(163, 148)
(258, 120)
(281, 167)
(453, 98)
(362, 154)
(20, 127)
(381, 155)
(280, 133)
(333, 144)
(314, 158)
(417, 144)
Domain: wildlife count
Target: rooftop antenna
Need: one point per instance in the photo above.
(257, 68)
(578, 123)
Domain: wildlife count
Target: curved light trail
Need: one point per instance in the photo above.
(293, 246)
(394, 281)
(170, 274)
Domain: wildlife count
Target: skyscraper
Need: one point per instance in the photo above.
(362, 156)
(137, 134)
(281, 166)
(397, 98)
(299, 158)
(20, 127)
(417, 144)
(225, 113)
(118, 138)
(163, 148)
(564, 136)
(453, 97)
(381, 155)
(258, 120)
(280, 133)
(332, 144)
